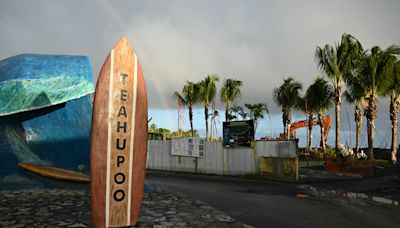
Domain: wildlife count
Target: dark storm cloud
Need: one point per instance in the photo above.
(259, 42)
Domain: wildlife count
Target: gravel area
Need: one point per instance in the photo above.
(71, 208)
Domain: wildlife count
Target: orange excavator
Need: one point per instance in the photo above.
(304, 123)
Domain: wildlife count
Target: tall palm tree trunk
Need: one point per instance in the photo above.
(321, 124)
(212, 120)
(358, 120)
(191, 119)
(227, 111)
(338, 102)
(371, 136)
(179, 120)
(289, 124)
(206, 117)
(310, 126)
(394, 139)
(371, 115)
(211, 129)
(394, 109)
(284, 121)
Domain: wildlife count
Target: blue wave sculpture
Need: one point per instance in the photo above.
(31, 81)
(45, 113)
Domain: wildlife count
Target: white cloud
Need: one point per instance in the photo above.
(259, 42)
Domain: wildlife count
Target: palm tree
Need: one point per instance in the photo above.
(303, 105)
(356, 95)
(230, 92)
(320, 95)
(256, 112)
(337, 62)
(208, 90)
(236, 111)
(286, 96)
(189, 97)
(375, 69)
(394, 92)
(181, 102)
(214, 115)
(153, 127)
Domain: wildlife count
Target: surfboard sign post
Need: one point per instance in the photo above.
(118, 139)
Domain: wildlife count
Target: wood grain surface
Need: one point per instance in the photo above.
(118, 139)
(55, 173)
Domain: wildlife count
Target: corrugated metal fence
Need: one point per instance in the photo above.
(217, 159)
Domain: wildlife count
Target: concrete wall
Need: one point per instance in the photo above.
(279, 168)
(220, 160)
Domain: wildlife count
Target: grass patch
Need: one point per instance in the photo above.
(384, 167)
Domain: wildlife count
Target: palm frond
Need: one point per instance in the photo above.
(320, 95)
(179, 98)
(231, 90)
(287, 94)
(191, 92)
(338, 62)
(208, 88)
(376, 68)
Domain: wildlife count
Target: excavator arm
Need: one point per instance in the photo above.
(304, 123)
(327, 125)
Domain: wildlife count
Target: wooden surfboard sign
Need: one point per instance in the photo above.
(118, 147)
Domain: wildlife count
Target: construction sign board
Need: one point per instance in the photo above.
(188, 146)
(238, 133)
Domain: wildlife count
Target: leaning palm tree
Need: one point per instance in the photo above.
(303, 105)
(190, 96)
(208, 90)
(230, 92)
(320, 95)
(355, 94)
(256, 112)
(394, 92)
(286, 97)
(181, 102)
(375, 69)
(337, 62)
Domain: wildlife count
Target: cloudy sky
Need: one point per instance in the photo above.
(258, 42)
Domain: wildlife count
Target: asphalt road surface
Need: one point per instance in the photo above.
(274, 204)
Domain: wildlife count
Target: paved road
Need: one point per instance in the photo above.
(274, 204)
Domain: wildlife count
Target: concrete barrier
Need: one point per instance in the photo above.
(227, 161)
(280, 168)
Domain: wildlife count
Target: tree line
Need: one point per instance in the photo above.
(204, 92)
(360, 75)
(357, 74)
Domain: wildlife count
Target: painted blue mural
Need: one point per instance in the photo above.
(31, 81)
(45, 114)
